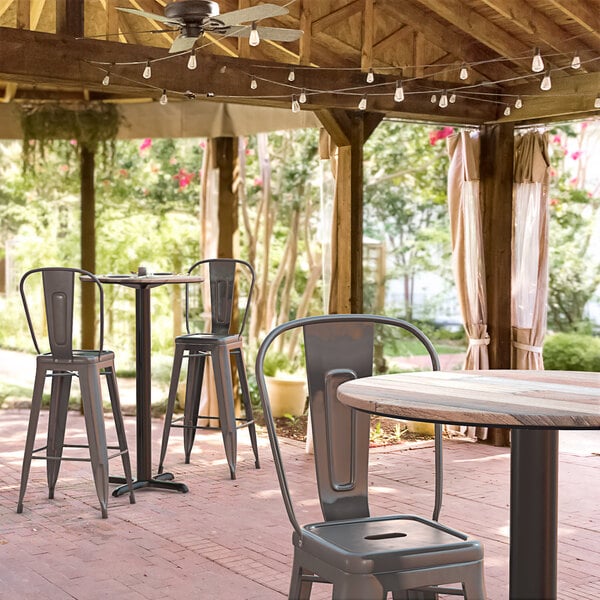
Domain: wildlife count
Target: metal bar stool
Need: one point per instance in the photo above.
(61, 364)
(224, 340)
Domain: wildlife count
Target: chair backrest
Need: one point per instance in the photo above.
(58, 284)
(225, 277)
(338, 348)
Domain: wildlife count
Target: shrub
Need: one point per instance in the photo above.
(572, 352)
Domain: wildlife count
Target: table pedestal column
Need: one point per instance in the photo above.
(533, 514)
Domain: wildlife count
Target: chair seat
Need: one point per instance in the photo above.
(80, 357)
(394, 543)
(208, 338)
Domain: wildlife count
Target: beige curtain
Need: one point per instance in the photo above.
(467, 250)
(530, 250)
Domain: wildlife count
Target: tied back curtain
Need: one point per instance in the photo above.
(467, 244)
(530, 250)
(467, 251)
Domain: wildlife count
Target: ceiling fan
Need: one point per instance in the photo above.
(195, 17)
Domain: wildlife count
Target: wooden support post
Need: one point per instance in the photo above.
(349, 130)
(224, 159)
(497, 156)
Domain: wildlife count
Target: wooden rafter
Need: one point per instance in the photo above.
(585, 12)
(337, 16)
(366, 57)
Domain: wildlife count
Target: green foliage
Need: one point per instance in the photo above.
(572, 352)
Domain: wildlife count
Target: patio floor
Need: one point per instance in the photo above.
(231, 539)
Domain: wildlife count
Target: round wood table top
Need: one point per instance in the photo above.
(498, 398)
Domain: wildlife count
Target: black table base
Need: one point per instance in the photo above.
(161, 482)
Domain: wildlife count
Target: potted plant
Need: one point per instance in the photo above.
(286, 386)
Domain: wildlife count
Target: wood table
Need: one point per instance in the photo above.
(534, 405)
(143, 376)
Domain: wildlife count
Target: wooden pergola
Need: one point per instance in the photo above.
(477, 54)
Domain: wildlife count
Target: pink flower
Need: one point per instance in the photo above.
(258, 181)
(554, 202)
(573, 181)
(202, 144)
(557, 140)
(553, 173)
(63, 168)
(184, 178)
(576, 155)
(147, 143)
(440, 134)
(73, 142)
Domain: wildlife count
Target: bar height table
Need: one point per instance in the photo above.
(143, 378)
(534, 405)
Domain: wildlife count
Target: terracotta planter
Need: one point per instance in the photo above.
(287, 395)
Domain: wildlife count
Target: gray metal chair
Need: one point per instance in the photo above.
(61, 363)
(225, 277)
(363, 557)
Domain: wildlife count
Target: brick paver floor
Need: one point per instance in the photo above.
(231, 539)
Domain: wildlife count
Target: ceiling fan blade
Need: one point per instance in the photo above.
(182, 44)
(276, 34)
(149, 15)
(253, 13)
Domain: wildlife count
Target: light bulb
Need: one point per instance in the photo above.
(254, 39)
(189, 95)
(362, 105)
(147, 71)
(519, 102)
(546, 82)
(464, 72)
(597, 101)
(433, 99)
(576, 62)
(295, 105)
(163, 99)
(537, 64)
(106, 80)
(452, 98)
(192, 61)
(302, 97)
(292, 75)
(399, 93)
(253, 84)
(370, 76)
(443, 100)
(507, 111)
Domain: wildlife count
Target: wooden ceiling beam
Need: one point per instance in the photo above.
(23, 14)
(69, 18)
(337, 16)
(368, 27)
(305, 57)
(585, 12)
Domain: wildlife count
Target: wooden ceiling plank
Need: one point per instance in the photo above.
(535, 22)
(585, 12)
(368, 28)
(70, 18)
(435, 32)
(306, 26)
(337, 16)
(243, 46)
(478, 27)
(37, 6)
(4, 5)
(389, 40)
(23, 14)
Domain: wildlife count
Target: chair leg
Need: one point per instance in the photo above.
(115, 402)
(224, 386)
(178, 357)
(91, 396)
(57, 420)
(239, 361)
(365, 587)
(36, 405)
(299, 589)
(193, 391)
(474, 583)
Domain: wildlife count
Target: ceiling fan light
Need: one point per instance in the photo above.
(192, 62)
(147, 71)
(254, 38)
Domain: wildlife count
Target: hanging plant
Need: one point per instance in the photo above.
(94, 127)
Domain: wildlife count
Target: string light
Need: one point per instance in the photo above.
(253, 83)
(295, 105)
(518, 102)
(292, 75)
(433, 99)
(106, 80)
(507, 111)
(597, 101)
(192, 63)
(443, 100)
(302, 97)
(163, 99)
(254, 39)
(362, 105)
(464, 72)
(576, 62)
(370, 76)
(147, 71)
(537, 64)
(189, 95)
(546, 82)
(452, 98)
(399, 93)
